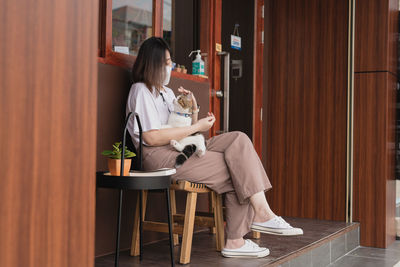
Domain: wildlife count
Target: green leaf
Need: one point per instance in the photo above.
(117, 151)
(107, 152)
(129, 154)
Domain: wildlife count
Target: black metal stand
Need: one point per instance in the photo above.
(118, 228)
(137, 183)
(171, 243)
(140, 183)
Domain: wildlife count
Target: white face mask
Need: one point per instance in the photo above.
(167, 74)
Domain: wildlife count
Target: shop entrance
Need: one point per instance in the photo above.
(237, 38)
(234, 72)
(236, 47)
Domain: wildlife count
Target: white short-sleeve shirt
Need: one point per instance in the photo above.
(153, 108)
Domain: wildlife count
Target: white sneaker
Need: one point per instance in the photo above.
(248, 250)
(276, 226)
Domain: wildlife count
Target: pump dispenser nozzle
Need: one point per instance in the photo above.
(195, 51)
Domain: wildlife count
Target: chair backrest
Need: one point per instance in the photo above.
(137, 162)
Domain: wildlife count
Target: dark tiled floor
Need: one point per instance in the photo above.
(204, 254)
(371, 257)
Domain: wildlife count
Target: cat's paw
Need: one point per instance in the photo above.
(173, 143)
(200, 152)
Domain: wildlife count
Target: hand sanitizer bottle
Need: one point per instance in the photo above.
(197, 64)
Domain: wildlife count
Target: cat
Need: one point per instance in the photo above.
(181, 116)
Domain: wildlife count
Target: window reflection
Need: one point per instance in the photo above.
(131, 24)
(167, 21)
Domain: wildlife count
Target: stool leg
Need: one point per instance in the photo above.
(118, 228)
(135, 245)
(173, 211)
(256, 235)
(219, 221)
(211, 201)
(171, 244)
(187, 236)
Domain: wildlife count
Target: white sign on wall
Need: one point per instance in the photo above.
(236, 42)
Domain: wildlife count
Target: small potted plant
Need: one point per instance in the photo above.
(114, 159)
(178, 68)
(184, 70)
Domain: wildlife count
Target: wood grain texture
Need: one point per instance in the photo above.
(393, 36)
(215, 30)
(374, 184)
(258, 77)
(376, 28)
(207, 45)
(306, 105)
(186, 247)
(190, 77)
(48, 98)
(157, 18)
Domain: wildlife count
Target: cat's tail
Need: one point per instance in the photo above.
(184, 155)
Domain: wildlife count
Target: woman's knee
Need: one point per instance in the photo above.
(241, 136)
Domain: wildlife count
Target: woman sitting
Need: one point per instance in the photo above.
(230, 165)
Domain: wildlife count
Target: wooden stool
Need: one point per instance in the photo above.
(183, 224)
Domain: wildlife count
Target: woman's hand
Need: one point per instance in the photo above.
(206, 123)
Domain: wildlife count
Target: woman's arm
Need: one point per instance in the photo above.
(164, 136)
(195, 112)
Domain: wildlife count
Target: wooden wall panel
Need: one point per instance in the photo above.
(374, 184)
(305, 100)
(376, 30)
(48, 52)
(374, 111)
(113, 88)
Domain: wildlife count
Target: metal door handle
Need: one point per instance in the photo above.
(225, 93)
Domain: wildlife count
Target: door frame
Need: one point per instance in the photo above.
(210, 18)
(258, 64)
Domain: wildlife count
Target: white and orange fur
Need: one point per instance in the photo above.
(183, 105)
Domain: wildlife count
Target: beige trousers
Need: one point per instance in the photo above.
(230, 165)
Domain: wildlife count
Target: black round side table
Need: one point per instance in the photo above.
(137, 181)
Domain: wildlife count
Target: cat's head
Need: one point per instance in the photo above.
(183, 103)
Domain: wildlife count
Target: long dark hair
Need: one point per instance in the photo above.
(149, 66)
